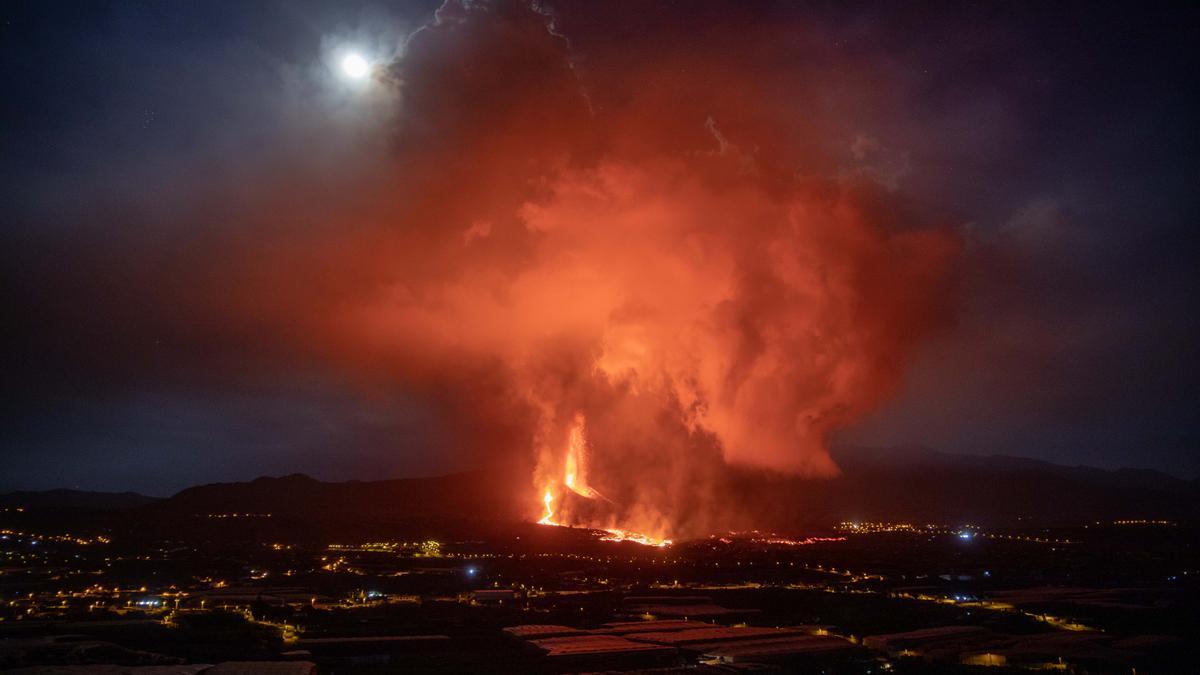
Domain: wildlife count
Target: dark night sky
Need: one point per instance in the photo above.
(142, 141)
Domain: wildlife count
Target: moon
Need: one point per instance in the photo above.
(355, 66)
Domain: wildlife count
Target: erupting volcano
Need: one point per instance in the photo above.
(575, 480)
(621, 280)
(634, 336)
(634, 300)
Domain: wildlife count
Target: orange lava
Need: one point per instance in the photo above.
(548, 499)
(624, 535)
(575, 480)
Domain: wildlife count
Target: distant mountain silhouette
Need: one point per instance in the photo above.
(75, 499)
(895, 484)
(916, 456)
(470, 495)
(918, 484)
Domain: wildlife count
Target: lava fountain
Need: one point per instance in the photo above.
(575, 466)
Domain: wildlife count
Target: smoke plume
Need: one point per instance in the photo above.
(668, 249)
(599, 250)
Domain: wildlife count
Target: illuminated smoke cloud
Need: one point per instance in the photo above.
(665, 250)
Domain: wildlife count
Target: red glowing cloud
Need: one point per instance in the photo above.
(550, 241)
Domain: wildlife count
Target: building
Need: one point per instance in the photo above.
(492, 596)
(919, 642)
(792, 651)
(566, 648)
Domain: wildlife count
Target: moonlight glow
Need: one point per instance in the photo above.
(355, 66)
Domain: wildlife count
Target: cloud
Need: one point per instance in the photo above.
(544, 228)
(697, 308)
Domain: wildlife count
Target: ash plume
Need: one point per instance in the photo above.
(701, 295)
(680, 257)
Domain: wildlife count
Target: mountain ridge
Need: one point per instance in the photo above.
(64, 498)
(900, 483)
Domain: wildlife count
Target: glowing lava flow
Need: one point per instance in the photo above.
(548, 499)
(575, 480)
(625, 535)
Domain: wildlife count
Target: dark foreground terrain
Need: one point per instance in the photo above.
(197, 590)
